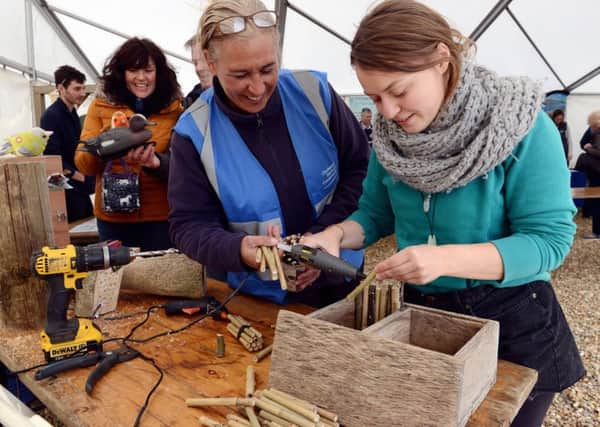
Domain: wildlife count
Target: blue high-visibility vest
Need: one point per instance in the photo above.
(306, 102)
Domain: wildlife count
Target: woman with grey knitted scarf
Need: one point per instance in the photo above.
(469, 174)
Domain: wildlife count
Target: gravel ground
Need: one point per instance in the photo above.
(576, 285)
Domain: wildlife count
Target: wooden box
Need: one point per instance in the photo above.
(416, 367)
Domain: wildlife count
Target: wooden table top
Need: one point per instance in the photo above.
(585, 192)
(191, 369)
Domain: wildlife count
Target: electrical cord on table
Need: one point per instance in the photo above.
(127, 339)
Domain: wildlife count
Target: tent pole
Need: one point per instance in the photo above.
(587, 77)
(109, 30)
(318, 23)
(281, 10)
(539, 52)
(489, 19)
(65, 36)
(29, 38)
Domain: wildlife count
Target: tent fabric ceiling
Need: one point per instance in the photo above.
(565, 34)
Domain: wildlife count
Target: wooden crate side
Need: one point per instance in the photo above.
(367, 380)
(395, 327)
(480, 359)
(440, 332)
(341, 313)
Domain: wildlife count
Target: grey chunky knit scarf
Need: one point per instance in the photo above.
(475, 131)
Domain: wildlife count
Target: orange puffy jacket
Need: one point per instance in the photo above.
(153, 190)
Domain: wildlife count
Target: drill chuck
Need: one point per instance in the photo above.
(100, 257)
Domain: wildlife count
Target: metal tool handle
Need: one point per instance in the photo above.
(326, 262)
(67, 364)
(103, 367)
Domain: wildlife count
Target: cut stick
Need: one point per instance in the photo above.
(209, 422)
(250, 381)
(235, 417)
(361, 286)
(292, 405)
(252, 417)
(275, 409)
(282, 279)
(219, 401)
(268, 254)
(259, 255)
(263, 353)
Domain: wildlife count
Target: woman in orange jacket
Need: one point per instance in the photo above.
(136, 79)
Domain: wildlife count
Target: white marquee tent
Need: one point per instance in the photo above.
(553, 41)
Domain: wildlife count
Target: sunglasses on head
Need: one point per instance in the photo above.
(237, 24)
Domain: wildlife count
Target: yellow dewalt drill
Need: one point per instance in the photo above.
(64, 269)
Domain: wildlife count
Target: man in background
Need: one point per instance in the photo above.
(365, 122)
(204, 75)
(62, 118)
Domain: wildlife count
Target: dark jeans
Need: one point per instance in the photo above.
(533, 328)
(148, 236)
(533, 411)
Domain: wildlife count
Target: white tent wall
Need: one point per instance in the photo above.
(579, 106)
(565, 34)
(15, 103)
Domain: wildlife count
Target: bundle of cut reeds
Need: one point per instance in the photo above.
(242, 330)
(269, 407)
(376, 301)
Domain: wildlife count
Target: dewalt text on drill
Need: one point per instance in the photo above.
(64, 269)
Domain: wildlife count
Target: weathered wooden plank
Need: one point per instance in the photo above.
(26, 226)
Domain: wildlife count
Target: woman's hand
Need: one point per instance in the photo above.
(250, 245)
(307, 278)
(329, 240)
(417, 265)
(143, 156)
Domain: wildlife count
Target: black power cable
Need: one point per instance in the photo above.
(127, 339)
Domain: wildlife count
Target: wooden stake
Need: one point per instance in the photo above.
(281, 412)
(292, 405)
(209, 422)
(236, 417)
(282, 279)
(250, 381)
(361, 286)
(268, 254)
(263, 353)
(219, 401)
(274, 419)
(252, 417)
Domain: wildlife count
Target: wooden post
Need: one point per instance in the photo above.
(26, 226)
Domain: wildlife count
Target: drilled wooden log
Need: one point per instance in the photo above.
(168, 275)
(26, 226)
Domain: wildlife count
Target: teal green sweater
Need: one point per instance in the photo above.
(523, 206)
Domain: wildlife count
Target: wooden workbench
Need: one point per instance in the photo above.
(191, 369)
(585, 192)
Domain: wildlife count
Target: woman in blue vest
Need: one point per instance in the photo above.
(469, 174)
(265, 151)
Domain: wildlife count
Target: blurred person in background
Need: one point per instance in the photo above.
(204, 75)
(135, 79)
(62, 119)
